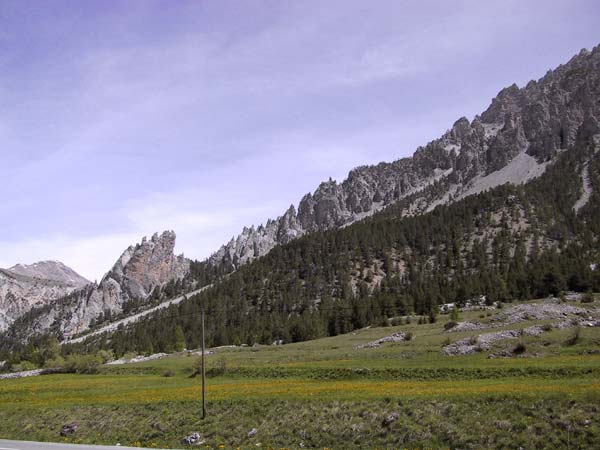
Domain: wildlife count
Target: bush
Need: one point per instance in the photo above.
(520, 348)
(454, 314)
(168, 373)
(220, 368)
(575, 335)
(56, 364)
(588, 297)
(105, 355)
(547, 327)
(23, 366)
(449, 325)
(88, 364)
(408, 336)
(396, 321)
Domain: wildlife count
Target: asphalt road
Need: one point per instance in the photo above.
(26, 445)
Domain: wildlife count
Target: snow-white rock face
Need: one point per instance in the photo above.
(513, 141)
(136, 273)
(23, 287)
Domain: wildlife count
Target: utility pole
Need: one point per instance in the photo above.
(203, 371)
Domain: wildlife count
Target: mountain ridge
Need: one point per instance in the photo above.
(532, 124)
(518, 138)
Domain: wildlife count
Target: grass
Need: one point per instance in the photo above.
(327, 394)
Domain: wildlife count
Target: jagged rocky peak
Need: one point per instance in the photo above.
(50, 270)
(521, 131)
(148, 264)
(135, 274)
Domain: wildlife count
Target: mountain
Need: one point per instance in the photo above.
(514, 140)
(136, 274)
(50, 270)
(23, 287)
(505, 206)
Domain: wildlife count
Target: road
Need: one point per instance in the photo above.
(27, 445)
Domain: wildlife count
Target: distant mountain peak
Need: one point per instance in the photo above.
(50, 270)
(139, 269)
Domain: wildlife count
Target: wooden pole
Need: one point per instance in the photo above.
(203, 372)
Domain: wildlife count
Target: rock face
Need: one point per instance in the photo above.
(23, 287)
(50, 270)
(514, 140)
(147, 265)
(136, 273)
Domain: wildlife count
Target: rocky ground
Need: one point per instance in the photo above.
(558, 315)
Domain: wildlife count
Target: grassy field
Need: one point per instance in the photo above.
(328, 394)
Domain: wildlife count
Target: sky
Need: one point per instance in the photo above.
(122, 118)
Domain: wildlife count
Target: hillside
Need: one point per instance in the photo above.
(506, 244)
(514, 140)
(398, 237)
(531, 382)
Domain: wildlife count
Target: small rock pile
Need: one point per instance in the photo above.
(191, 439)
(539, 311)
(400, 336)
(69, 429)
(466, 326)
(484, 341)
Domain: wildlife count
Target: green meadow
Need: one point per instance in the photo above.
(329, 394)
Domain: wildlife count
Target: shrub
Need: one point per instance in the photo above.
(588, 297)
(168, 373)
(520, 348)
(575, 335)
(547, 327)
(105, 355)
(220, 368)
(56, 364)
(88, 364)
(432, 316)
(197, 366)
(562, 298)
(408, 336)
(396, 321)
(449, 325)
(23, 366)
(454, 314)
(129, 355)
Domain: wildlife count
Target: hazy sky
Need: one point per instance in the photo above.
(118, 119)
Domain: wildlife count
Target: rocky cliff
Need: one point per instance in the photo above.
(513, 141)
(23, 287)
(135, 274)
